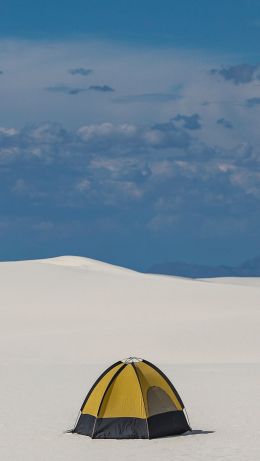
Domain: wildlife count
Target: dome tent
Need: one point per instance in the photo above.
(132, 399)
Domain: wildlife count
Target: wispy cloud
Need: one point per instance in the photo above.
(225, 123)
(101, 88)
(65, 89)
(147, 98)
(177, 86)
(175, 89)
(238, 74)
(252, 102)
(81, 71)
(71, 90)
(190, 122)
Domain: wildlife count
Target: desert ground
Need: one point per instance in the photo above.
(64, 320)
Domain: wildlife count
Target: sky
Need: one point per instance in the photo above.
(129, 131)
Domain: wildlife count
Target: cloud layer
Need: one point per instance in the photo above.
(168, 149)
(160, 166)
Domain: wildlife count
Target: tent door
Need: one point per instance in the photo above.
(159, 401)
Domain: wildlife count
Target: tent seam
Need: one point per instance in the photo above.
(146, 418)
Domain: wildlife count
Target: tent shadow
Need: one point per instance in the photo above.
(188, 433)
(197, 432)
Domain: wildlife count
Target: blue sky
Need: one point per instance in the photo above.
(129, 130)
(220, 25)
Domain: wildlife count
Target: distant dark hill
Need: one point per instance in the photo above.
(250, 268)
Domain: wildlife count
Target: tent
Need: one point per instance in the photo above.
(132, 399)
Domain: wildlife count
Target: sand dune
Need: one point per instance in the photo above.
(64, 319)
(246, 281)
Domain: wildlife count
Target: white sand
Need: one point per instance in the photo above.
(64, 320)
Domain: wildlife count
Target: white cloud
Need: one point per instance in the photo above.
(7, 131)
(83, 185)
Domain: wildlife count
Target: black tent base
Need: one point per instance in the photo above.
(166, 424)
(161, 425)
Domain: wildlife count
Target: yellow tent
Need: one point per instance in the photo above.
(132, 399)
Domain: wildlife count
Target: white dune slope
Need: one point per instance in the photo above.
(64, 320)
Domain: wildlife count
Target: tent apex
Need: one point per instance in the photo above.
(132, 359)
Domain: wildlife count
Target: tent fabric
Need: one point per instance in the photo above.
(132, 399)
(123, 397)
(93, 400)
